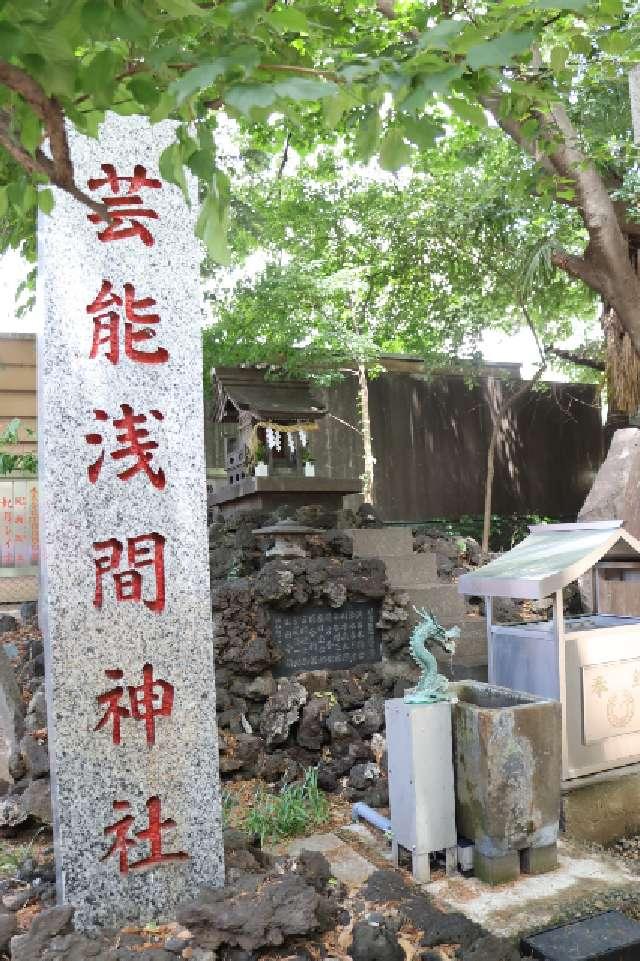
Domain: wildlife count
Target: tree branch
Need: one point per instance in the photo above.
(582, 268)
(575, 358)
(49, 111)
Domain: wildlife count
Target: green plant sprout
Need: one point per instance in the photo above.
(295, 810)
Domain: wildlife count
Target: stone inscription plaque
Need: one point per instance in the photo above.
(317, 638)
(611, 699)
(127, 612)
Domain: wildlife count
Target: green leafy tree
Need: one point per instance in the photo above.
(355, 266)
(551, 73)
(12, 460)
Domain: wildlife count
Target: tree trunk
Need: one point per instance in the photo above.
(496, 430)
(369, 459)
(634, 97)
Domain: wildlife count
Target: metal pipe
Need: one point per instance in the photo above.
(362, 810)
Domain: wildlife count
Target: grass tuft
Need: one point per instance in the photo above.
(297, 809)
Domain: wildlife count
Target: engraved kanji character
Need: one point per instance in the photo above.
(134, 444)
(145, 550)
(129, 201)
(152, 835)
(106, 326)
(152, 699)
(115, 711)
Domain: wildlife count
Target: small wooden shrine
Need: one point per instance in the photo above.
(268, 426)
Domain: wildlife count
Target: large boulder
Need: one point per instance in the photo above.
(7, 623)
(374, 941)
(282, 711)
(257, 911)
(44, 927)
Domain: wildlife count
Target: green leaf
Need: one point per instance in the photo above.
(440, 36)
(46, 200)
(368, 134)
(244, 97)
(335, 107)
(200, 78)
(422, 132)
(616, 42)
(305, 88)
(4, 201)
(288, 19)
(213, 221)
(178, 9)
(244, 58)
(578, 6)
(499, 52)
(163, 109)
(30, 130)
(11, 40)
(172, 169)
(580, 44)
(98, 77)
(558, 59)
(469, 112)
(394, 152)
(144, 91)
(94, 17)
(202, 164)
(612, 8)
(429, 84)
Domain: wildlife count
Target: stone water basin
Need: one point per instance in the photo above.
(508, 769)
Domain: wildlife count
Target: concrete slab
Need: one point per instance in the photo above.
(347, 865)
(315, 842)
(410, 571)
(442, 598)
(381, 541)
(532, 902)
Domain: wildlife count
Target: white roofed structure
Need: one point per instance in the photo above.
(590, 662)
(550, 558)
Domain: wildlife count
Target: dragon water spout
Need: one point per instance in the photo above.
(431, 686)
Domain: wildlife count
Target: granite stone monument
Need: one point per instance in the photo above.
(125, 592)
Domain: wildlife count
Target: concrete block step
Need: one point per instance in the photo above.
(412, 571)
(381, 541)
(443, 599)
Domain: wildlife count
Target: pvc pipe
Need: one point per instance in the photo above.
(362, 810)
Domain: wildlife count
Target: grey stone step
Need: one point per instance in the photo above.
(412, 571)
(442, 599)
(473, 636)
(381, 541)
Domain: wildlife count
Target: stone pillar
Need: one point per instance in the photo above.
(126, 607)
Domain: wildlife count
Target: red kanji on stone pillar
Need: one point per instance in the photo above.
(134, 444)
(115, 712)
(138, 327)
(145, 550)
(126, 207)
(152, 835)
(151, 699)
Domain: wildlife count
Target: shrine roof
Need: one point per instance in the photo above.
(549, 558)
(248, 389)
